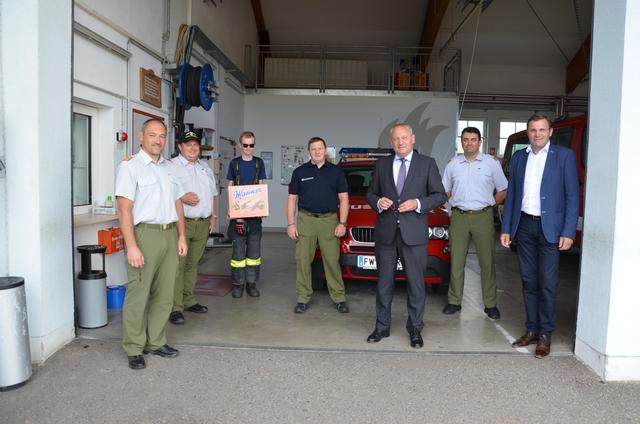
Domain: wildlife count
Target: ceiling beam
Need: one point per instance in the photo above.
(578, 68)
(432, 22)
(263, 33)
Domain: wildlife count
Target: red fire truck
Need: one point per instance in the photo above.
(357, 248)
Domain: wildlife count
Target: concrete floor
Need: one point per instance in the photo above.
(269, 321)
(255, 361)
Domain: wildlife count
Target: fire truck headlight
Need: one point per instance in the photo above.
(438, 233)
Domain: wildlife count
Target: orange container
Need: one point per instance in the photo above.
(111, 238)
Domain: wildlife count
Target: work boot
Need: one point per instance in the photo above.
(237, 291)
(252, 290)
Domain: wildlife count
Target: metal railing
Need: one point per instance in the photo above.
(357, 67)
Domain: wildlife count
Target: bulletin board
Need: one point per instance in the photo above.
(292, 157)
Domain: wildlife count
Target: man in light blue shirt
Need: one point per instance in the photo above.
(474, 182)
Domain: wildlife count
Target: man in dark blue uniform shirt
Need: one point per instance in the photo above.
(316, 187)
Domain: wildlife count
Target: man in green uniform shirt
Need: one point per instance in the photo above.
(152, 223)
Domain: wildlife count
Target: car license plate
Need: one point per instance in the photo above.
(369, 262)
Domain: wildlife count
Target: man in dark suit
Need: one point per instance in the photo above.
(405, 187)
(541, 214)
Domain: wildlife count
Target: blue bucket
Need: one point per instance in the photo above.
(115, 296)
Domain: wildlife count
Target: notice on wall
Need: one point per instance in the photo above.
(292, 157)
(150, 87)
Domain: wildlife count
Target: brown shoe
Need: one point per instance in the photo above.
(525, 340)
(544, 346)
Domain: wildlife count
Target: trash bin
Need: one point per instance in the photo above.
(15, 353)
(92, 289)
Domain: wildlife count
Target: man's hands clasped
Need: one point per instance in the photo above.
(407, 206)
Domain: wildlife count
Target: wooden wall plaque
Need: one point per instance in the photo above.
(150, 87)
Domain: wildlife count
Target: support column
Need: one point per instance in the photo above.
(609, 299)
(36, 109)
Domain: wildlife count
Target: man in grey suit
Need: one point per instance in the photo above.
(405, 187)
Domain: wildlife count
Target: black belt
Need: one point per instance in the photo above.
(532, 217)
(473, 212)
(316, 215)
(198, 219)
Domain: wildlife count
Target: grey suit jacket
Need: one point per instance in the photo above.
(423, 183)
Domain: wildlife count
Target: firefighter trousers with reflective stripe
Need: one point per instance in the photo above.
(245, 253)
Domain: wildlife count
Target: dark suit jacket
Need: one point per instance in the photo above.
(559, 194)
(423, 183)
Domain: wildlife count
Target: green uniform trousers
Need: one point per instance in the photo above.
(462, 228)
(153, 285)
(197, 234)
(313, 231)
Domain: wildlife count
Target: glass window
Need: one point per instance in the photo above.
(358, 179)
(81, 159)
(506, 129)
(464, 123)
(516, 144)
(563, 136)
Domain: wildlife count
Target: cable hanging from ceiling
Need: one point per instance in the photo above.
(473, 53)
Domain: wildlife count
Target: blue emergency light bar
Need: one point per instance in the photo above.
(363, 152)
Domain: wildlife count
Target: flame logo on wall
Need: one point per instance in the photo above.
(425, 136)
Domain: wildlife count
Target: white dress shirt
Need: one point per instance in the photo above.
(152, 186)
(533, 180)
(197, 178)
(397, 162)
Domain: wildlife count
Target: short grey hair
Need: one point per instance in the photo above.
(401, 124)
(150, 121)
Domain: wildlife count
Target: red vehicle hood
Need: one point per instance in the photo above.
(361, 214)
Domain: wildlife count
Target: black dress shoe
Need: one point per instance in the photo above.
(451, 309)
(342, 307)
(237, 291)
(300, 308)
(415, 338)
(165, 351)
(252, 290)
(492, 313)
(176, 317)
(136, 362)
(197, 308)
(377, 335)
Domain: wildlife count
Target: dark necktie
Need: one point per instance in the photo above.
(402, 175)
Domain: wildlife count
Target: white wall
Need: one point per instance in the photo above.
(608, 310)
(352, 120)
(4, 268)
(231, 25)
(38, 134)
(141, 18)
(513, 52)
